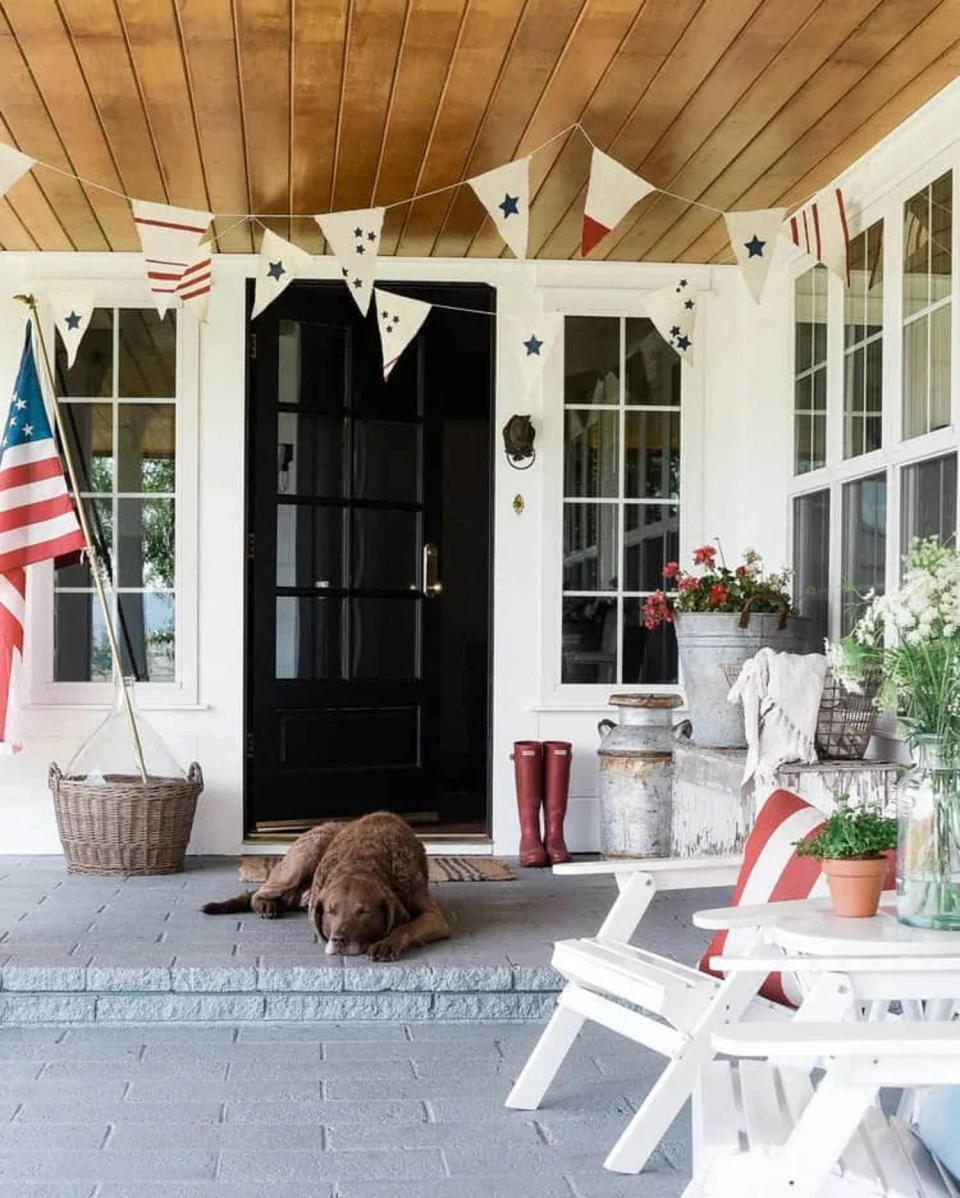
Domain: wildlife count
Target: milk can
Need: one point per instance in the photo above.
(636, 776)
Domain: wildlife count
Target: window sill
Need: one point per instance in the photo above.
(169, 705)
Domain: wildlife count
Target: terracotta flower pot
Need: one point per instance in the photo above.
(855, 884)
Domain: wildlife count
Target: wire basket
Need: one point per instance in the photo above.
(846, 720)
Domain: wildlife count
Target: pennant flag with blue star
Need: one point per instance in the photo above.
(505, 193)
(13, 165)
(71, 315)
(279, 263)
(399, 319)
(673, 310)
(532, 337)
(612, 192)
(354, 240)
(753, 236)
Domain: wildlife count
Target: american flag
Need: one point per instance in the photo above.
(37, 521)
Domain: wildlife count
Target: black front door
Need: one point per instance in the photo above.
(369, 563)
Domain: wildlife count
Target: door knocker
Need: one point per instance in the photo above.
(518, 438)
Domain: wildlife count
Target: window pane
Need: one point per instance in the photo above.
(810, 385)
(811, 558)
(819, 448)
(591, 454)
(651, 538)
(853, 401)
(308, 638)
(590, 558)
(146, 446)
(148, 353)
(147, 636)
(915, 377)
(652, 459)
(916, 253)
(145, 542)
(855, 293)
(309, 549)
(591, 363)
(74, 570)
(589, 640)
(863, 545)
(92, 373)
(652, 367)
(940, 367)
(927, 256)
(941, 222)
(928, 500)
(863, 359)
(81, 650)
(89, 428)
(803, 435)
(649, 656)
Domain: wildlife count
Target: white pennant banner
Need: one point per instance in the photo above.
(399, 319)
(673, 310)
(354, 240)
(612, 192)
(278, 264)
(505, 193)
(820, 230)
(72, 311)
(13, 165)
(532, 336)
(169, 238)
(753, 236)
(193, 287)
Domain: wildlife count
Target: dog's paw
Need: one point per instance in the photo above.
(268, 909)
(384, 950)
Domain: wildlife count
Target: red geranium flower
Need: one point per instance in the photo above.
(656, 610)
(671, 569)
(704, 556)
(741, 571)
(718, 594)
(688, 584)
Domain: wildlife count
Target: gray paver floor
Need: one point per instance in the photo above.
(320, 1110)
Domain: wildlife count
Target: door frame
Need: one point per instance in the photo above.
(250, 835)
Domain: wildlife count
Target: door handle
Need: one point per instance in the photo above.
(432, 586)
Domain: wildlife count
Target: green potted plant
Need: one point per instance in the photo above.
(853, 847)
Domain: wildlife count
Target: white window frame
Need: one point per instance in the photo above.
(41, 688)
(894, 453)
(575, 696)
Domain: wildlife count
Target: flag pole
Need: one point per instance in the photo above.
(91, 550)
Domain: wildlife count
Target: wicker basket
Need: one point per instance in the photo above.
(846, 720)
(125, 826)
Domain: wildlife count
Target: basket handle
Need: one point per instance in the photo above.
(54, 774)
(195, 774)
(784, 608)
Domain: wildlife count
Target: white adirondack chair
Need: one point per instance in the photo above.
(766, 1129)
(680, 1006)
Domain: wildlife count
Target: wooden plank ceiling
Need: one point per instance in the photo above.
(280, 106)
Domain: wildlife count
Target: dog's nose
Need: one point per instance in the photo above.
(335, 944)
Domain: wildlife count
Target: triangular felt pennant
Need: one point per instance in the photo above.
(673, 310)
(13, 165)
(71, 314)
(279, 263)
(193, 287)
(532, 336)
(399, 319)
(753, 236)
(505, 193)
(820, 230)
(169, 238)
(612, 192)
(354, 240)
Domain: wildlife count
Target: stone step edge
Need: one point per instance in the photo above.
(75, 1007)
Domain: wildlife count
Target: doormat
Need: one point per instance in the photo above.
(442, 869)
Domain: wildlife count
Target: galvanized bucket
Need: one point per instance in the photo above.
(713, 647)
(636, 776)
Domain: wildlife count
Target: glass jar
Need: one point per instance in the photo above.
(928, 849)
(113, 751)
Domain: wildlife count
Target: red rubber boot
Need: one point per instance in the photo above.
(556, 784)
(528, 771)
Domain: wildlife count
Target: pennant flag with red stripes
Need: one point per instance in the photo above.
(37, 521)
(399, 319)
(169, 238)
(820, 230)
(193, 287)
(612, 192)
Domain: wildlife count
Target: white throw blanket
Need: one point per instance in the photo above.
(780, 693)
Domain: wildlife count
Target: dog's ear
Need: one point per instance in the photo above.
(315, 908)
(396, 912)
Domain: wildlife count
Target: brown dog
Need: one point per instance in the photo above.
(364, 885)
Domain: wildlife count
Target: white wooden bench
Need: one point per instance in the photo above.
(765, 1129)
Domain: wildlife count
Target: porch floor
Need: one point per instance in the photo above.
(85, 949)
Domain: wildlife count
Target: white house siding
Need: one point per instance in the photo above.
(737, 439)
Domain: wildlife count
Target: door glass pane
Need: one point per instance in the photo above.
(589, 652)
(91, 375)
(147, 637)
(591, 360)
(148, 353)
(864, 544)
(590, 546)
(309, 546)
(811, 558)
(652, 367)
(308, 637)
(146, 447)
(383, 638)
(386, 460)
(649, 655)
(90, 434)
(652, 455)
(385, 547)
(310, 449)
(591, 462)
(928, 500)
(651, 538)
